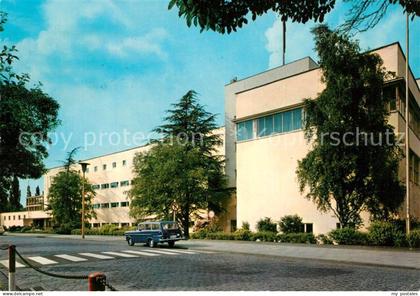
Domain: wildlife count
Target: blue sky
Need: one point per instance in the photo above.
(116, 66)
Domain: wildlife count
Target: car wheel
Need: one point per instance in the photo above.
(151, 243)
(130, 241)
(171, 244)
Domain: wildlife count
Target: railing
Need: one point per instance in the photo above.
(96, 280)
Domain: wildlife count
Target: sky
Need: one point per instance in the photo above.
(115, 66)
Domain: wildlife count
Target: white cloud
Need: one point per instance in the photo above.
(149, 43)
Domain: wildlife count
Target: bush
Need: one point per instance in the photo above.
(245, 225)
(14, 229)
(348, 236)
(297, 238)
(220, 235)
(383, 233)
(413, 239)
(324, 239)
(291, 224)
(242, 234)
(264, 236)
(266, 225)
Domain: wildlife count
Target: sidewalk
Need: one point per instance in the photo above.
(350, 254)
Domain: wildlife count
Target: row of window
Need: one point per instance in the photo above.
(111, 185)
(97, 225)
(14, 217)
(104, 166)
(281, 122)
(107, 205)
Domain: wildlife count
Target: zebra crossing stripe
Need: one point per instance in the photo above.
(5, 263)
(203, 252)
(42, 260)
(70, 258)
(140, 253)
(162, 252)
(120, 254)
(97, 256)
(182, 251)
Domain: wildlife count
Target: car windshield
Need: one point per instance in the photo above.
(169, 225)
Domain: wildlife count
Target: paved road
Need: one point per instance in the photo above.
(140, 268)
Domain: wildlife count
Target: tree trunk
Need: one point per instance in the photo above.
(186, 223)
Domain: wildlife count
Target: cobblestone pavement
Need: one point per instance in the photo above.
(206, 272)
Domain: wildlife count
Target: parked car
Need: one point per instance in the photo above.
(2, 230)
(154, 233)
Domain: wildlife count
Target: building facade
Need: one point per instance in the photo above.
(265, 140)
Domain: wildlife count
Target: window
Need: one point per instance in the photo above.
(337, 225)
(114, 184)
(105, 186)
(114, 204)
(232, 225)
(104, 167)
(9, 218)
(96, 206)
(414, 167)
(14, 218)
(95, 169)
(19, 217)
(278, 123)
(244, 130)
(124, 162)
(265, 126)
(24, 216)
(125, 224)
(124, 183)
(96, 186)
(287, 121)
(389, 95)
(114, 165)
(297, 119)
(309, 227)
(124, 204)
(96, 225)
(104, 205)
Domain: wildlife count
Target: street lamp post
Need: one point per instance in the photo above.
(84, 167)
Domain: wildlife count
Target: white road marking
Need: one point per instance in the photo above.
(140, 253)
(203, 252)
(70, 258)
(42, 260)
(120, 254)
(98, 256)
(162, 252)
(5, 263)
(181, 251)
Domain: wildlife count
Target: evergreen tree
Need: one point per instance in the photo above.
(28, 191)
(14, 196)
(37, 191)
(353, 164)
(182, 170)
(4, 192)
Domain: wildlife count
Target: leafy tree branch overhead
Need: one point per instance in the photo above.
(226, 16)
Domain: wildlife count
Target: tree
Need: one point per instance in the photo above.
(14, 196)
(37, 191)
(226, 16)
(65, 198)
(28, 191)
(182, 170)
(353, 164)
(4, 192)
(27, 115)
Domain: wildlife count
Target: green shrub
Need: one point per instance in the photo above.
(265, 236)
(413, 239)
(220, 235)
(324, 239)
(245, 225)
(297, 238)
(242, 234)
(348, 236)
(291, 224)
(383, 233)
(266, 224)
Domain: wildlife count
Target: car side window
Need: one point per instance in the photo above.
(141, 227)
(155, 226)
